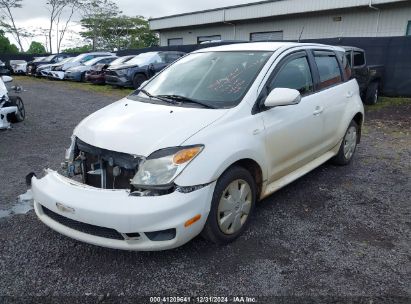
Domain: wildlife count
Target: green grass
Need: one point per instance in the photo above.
(384, 102)
(106, 90)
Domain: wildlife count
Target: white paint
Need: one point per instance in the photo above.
(286, 142)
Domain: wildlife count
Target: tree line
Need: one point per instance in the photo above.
(104, 27)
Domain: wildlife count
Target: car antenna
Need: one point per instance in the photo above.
(301, 34)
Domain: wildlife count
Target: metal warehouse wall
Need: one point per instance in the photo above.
(258, 10)
(389, 21)
(392, 52)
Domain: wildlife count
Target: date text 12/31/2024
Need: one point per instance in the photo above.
(235, 299)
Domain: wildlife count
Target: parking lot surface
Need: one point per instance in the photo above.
(338, 231)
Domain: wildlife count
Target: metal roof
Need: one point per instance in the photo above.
(255, 10)
(266, 46)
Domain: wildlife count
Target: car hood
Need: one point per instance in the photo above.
(141, 128)
(123, 66)
(39, 63)
(80, 68)
(45, 66)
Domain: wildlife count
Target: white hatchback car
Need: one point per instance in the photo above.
(196, 146)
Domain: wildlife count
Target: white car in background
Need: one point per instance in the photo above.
(197, 146)
(18, 66)
(58, 71)
(44, 70)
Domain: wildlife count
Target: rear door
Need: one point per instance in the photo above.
(333, 94)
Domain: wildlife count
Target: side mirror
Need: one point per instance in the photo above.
(6, 79)
(282, 97)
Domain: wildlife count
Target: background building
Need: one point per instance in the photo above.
(288, 20)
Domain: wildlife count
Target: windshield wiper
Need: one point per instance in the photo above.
(186, 99)
(157, 97)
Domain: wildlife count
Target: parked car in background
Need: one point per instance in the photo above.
(33, 65)
(58, 71)
(4, 69)
(197, 146)
(11, 107)
(18, 66)
(78, 73)
(141, 68)
(97, 73)
(44, 69)
(369, 77)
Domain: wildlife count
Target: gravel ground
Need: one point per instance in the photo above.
(338, 231)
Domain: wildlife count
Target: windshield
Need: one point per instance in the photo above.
(144, 59)
(66, 60)
(49, 58)
(121, 60)
(218, 79)
(81, 57)
(39, 59)
(94, 61)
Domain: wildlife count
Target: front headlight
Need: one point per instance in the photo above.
(163, 166)
(122, 72)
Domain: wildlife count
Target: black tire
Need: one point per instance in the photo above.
(21, 112)
(138, 80)
(212, 230)
(83, 77)
(371, 97)
(342, 159)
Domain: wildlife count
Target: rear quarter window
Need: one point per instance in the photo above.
(359, 58)
(328, 69)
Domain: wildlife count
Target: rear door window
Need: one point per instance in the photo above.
(328, 69)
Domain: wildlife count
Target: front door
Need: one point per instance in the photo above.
(293, 133)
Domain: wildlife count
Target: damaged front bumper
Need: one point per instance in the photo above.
(4, 114)
(59, 75)
(114, 218)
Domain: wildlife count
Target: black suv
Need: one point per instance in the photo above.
(141, 68)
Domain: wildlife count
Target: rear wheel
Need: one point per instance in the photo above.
(348, 146)
(372, 95)
(231, 207)
(21, 112)
(138, 80)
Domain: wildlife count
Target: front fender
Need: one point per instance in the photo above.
(225, 143)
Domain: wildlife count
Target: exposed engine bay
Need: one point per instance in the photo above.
(101, 168)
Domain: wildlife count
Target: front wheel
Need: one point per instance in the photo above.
(231, 207)
(348, 146)
(138, 80)
(20, 115)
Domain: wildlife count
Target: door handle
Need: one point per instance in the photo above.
(318, 111)
(349, 94)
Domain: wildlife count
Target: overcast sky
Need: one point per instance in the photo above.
(34, 12)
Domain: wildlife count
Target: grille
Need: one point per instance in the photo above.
(83, 227)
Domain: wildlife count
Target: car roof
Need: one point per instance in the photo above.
(266, 46)
(352, 48)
